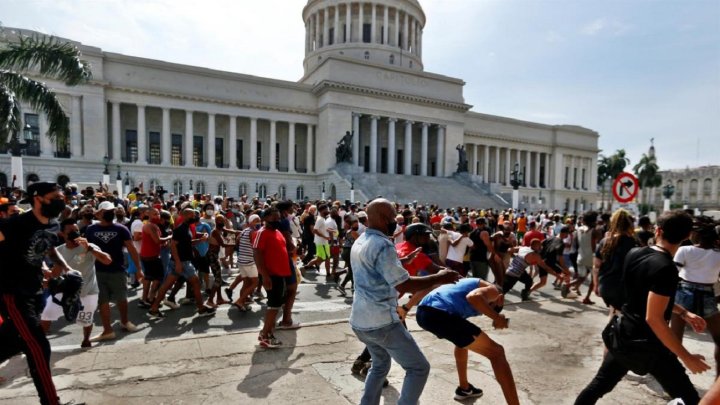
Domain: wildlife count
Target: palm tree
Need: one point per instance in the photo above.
(647, 172)
(609, 167)
(47, 57)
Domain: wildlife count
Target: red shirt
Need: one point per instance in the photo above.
(534, 234)
(421, 262)
(271, 244)
(436, 219)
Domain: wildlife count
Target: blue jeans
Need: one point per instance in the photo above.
(388, 343)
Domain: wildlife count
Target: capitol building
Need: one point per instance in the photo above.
(192, 129)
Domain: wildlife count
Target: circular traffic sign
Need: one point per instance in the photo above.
(625, 187)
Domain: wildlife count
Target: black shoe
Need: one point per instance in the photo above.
(386, 383)
(357, 367)
(471, 392)
(525, 295)
(144, 304)
(229, 294)
(135, 284)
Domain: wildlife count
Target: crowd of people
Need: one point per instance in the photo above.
(452, 263)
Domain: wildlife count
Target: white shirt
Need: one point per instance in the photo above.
(136, 227)
(698, 265)
(321, 228)
(456, 253)
(331, 226)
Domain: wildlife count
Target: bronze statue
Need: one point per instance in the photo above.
(462, 166)
(343, 152)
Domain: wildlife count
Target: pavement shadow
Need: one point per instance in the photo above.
(269, 365)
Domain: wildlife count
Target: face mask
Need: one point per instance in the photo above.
(273, 224)
(391, 228)
(257, 226)
(210, 212)
(52, 209)
(73, 235)
(108, 215)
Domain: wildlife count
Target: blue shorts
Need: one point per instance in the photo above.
(696, 298)
(188, 270)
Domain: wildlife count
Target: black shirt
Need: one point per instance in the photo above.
(27, 242)
(183, 242)
(646, 270)
(307, 225)
(552, 248)
(110, 239)
(479, 250)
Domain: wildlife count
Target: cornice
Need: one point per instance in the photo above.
(507, 120)
(505, 139)
(328, 85)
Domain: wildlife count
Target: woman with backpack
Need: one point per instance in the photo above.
(610, 257)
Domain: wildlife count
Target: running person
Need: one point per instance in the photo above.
(525, 257)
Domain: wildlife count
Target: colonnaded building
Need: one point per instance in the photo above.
(188, 128)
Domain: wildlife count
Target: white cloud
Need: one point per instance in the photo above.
(594, 27)
(605, 26)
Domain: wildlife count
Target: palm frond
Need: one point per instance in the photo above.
(55, 59)
(9, 114)
(40, 98)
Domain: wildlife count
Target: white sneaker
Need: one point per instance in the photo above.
(571, 295)
(129, 327)
(171, 304)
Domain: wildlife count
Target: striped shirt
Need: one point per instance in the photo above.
(245, 248)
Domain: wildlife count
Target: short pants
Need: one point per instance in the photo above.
(696, 298)
(248, 270)
(276, 295)
(153, 268)
(113, 287)
(447, 326)
(53, 311)
(322, 251)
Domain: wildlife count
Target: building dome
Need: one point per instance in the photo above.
(381, 31)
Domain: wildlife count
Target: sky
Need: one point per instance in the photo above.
(631, 70)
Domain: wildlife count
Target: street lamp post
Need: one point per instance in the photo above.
(106, 171)
(323, 191)
(515, 182)
(257, 190)
(118, 182)
(17, 145)
(127, 183)
(352, 190)
(668, 192)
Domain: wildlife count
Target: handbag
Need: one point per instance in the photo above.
(637, 355)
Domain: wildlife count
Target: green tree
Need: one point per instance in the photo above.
(609, 167)
(647, 173)
(46, 57)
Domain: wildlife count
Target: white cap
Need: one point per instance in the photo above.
(253, 218)
(106, 205)
(362, 214)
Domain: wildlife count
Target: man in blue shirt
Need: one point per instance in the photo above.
(444, 312)
(378, 278)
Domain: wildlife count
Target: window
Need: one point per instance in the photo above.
(583, 179)
(131, 146)
(222, 189)
(154, 184)
(400, 39)
(300, 193)
(331, 36)
(392, 59)
(345, 32)
(282, 191)
(62, 180)
(155, 158)
(259, 154)
(176, 150)
(177, 187)
(262, 191)
(411, 64)
(198, 151)
(239, 154)
(575, 172)
(62, 148)
(200, 187)
(242, 190)
(367, 28)
(277, 156)
(33, 145)
(219, 152)
(567, 178)
(333, 192)
(367, 55)
(382, 34)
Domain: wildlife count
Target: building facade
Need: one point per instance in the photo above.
(695, 187)
(189, 128)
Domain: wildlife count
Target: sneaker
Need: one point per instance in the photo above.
(571, 295)
(471, 392)
(186, 301)
(357, 367)
(129, 327)
(144, 304)
(259, 295)
(103, 337)
(342, 291)
(269, 342)
(155, 315)
(171, 304)
(135, 284)
(525, 295)
(564, 291)
(206, 311)
(229, 294)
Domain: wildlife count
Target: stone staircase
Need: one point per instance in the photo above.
(459, 190)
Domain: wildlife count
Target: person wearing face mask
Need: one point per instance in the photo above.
(246, 265)
(378, 277)
(208, 215)
(322, 240)
(25, 240)
(82, 255)
(151, 243)
(86, 217)
(216, 243)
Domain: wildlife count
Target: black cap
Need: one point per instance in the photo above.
(416, 229)
(39, 188)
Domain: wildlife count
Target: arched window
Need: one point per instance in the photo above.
(367, 55)
(178, 187)
(200, 187)
(282, 191)
(333, 192)
(63, 180)
(222, 188)
(411, 64)
(31, 178)
(679, 191)
(392, 59)
(3, 180)
(242, 190)
(707, 190)
(300, 193)
(693, 191)
(262, 191)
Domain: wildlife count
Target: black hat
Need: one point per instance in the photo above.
(416, 229)
(39, 188)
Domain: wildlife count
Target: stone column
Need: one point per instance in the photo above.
(537, 169)
(528, 164)
(408, 148)
(166, 140)
(593, 175)
(211, 141)
(406, 33)
(273, 141)
(386, 28)
(326, 27)
(141, 135)
(116, 152)
(419, 39)
(291, 147)
(440, 165)
(547, 170)
(348, 22)
(189, 129)
(232, 148)
(373, 23)
(253, 144)
(361, 20)
(392, 168)
(486, 164)
(509, 164)
(356, 139)
(573, 177)
(413, 31)
(309, 149)
(373, 143)
(75, 128)
(318, 30)
(476, 168)
(497, 165)
(424, 149)
(336, 40)
(394, 41)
